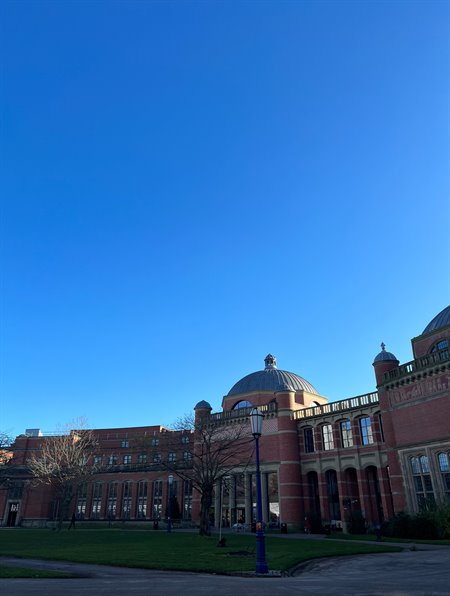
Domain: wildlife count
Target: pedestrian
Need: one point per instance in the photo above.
(72, 521)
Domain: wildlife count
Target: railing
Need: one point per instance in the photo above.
(337, 406)
(242, 412)
(416, 365)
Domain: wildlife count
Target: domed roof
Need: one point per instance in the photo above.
(203, 405)
(440, 320)
(271, 379)
(384, 356)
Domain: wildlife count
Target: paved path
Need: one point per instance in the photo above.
(425, 572)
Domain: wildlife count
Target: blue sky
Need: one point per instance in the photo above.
(187, 186)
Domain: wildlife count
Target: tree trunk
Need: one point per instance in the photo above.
(205, 506)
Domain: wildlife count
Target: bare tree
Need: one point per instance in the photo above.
(5, 448)
(218, 448)
(64, 463)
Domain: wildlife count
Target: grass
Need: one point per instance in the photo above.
(23, 572)
(183, 551)
(372, 538)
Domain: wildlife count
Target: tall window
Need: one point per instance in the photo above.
(157, 498)
(185, 439)
(142, 499)
(172, 456)
(81, 500)
(98, 460)
(126, 500)
(423, 486)
(187, 500)
(155, 442)
(444, 468)
(327, 435)
(187, 456)
(112, 460)
(127, 459)
(112, 500)
(333, 495)
(365, 424)
(96, 500)
(142, 458)
(346, 433)
(125, 443)
(308, 437)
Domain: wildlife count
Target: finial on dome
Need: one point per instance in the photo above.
(383, 346)
(270, 361)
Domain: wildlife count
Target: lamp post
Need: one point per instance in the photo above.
(169, 505)
(256, 418)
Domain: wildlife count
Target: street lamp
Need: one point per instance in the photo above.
(256, 419)
(169, 504)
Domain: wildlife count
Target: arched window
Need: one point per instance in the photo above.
(242, 404)
(423, 486)
(444, 468)
(440, 349)
(346, 433)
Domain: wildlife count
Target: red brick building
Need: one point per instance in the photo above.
(377, 454)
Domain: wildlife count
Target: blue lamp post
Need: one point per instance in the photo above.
(256, 418)
(169, 504)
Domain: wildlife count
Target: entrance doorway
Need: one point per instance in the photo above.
(12, 514)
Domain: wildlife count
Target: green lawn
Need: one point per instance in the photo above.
(372, 538)
(177, 551)
(22, 572)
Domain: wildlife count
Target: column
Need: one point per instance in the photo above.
(264, 498)
(217, 504)
(248, 498)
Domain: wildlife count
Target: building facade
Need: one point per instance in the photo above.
(374, 454)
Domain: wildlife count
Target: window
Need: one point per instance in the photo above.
(157, 458)
(242, 404)
(333, 495)
(441, 345)
(308, 438)
(423, 486)
(112, 461)
(98, 460)
(157, 499)
(346, 433)
(126, 500)
(172, 456)
(142, 499)
(125, 444)
(81, 501)
(444, 468)
(155, 442)
(142, 458)
(187, 500)
(365, 424)
(327, 436)
(187, 456)
(112, 500)
(127, 459)
(96, 500)
(185, 439)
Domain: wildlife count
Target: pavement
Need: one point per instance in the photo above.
(421, 571)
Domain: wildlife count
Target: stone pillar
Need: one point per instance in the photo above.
(248, 498)
(217, 504)
(232, 503)
(264, 498)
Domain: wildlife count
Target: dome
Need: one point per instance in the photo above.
(384, 356)
(271, 379)
(203, 405)
(440, 320)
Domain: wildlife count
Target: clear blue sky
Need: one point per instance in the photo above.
(187, 186)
